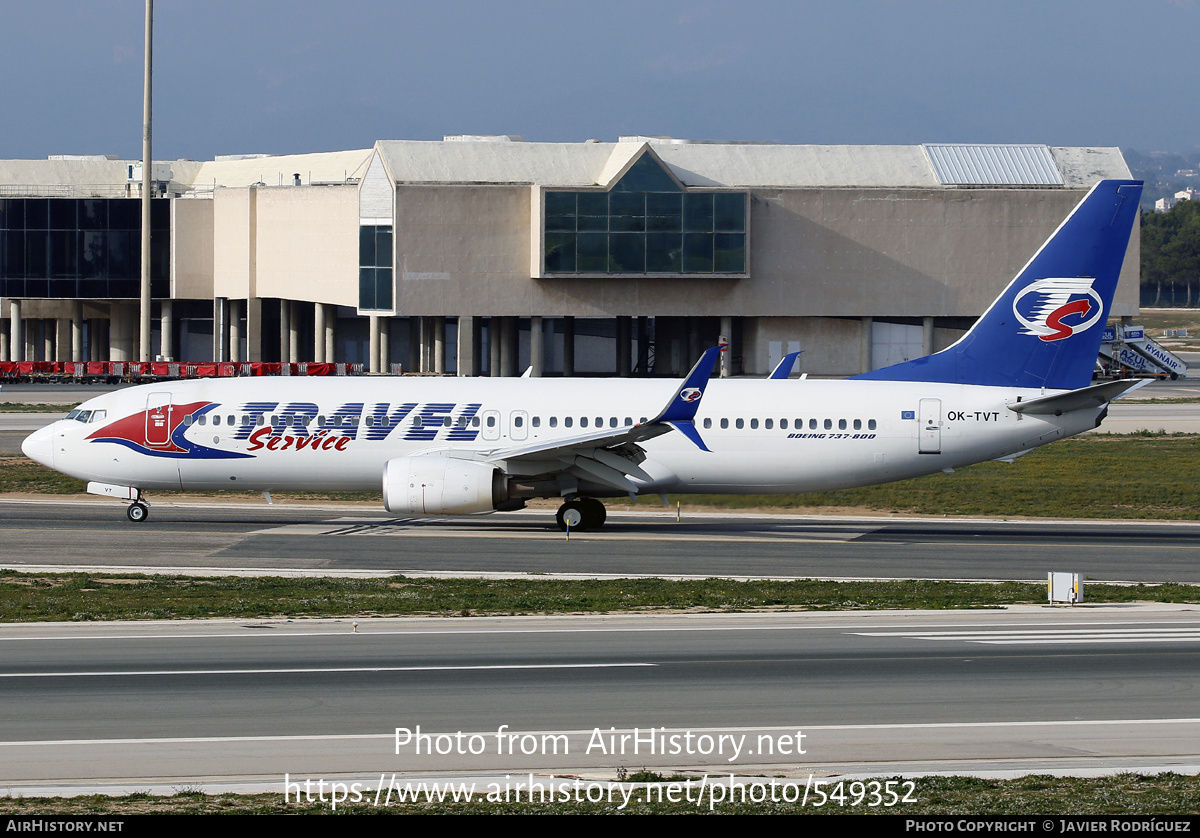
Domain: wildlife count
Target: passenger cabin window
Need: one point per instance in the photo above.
(870, 424)
(554, 421)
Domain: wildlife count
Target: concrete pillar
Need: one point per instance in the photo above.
(494, 347)
(373, 351)
(5, 339)
(385, 345)
(330, 334)
(235, 331)
(220, 329)
(866, 346)
(95, 342)
(536, 349)
(414, 344)
(624, 336)
(643, 344)
(423, 330)
(319, 333)
(926, 335)
(121, 326)
(16, 336)
(467, 344)
(48, 327)
(62, 339)
(439, 345)
(508, 355)
(727, 340)
(292, 355)
(568, 346)
(252, 308)
(285, 330)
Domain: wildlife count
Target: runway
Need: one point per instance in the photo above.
(239, 704)
(347, 540)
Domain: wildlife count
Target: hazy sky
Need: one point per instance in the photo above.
(300, 76)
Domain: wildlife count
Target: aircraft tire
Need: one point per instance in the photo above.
(594, 514)
(137, 512)
(576, 511)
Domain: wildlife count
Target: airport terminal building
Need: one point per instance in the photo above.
(491, 255)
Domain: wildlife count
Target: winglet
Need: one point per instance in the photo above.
(784, 368)
(683, 405)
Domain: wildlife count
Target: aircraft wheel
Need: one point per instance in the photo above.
(137, 512)
(571, 513)
(594, 514)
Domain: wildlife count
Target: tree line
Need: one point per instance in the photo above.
(1171, 256)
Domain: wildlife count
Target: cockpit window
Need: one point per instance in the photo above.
(98, 415)
(73, 413)
(83, 416)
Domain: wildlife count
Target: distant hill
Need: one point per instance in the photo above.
(1165, 172)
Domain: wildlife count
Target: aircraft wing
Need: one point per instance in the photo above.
(607, 455)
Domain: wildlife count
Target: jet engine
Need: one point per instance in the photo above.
(436, 485)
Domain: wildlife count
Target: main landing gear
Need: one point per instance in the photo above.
(581, 514)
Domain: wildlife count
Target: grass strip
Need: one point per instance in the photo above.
(1034, 795)
(36, 597)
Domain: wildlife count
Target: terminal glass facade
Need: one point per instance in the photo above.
(82, 248)
(375, 267)
(646, 224)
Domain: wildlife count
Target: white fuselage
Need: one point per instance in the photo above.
(276, 434)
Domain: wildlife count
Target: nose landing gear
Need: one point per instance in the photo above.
(138, 511)
(581, 514)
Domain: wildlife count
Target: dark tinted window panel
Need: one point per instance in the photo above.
(383, 288)
(729, 213)
(12, 214)
(560, 212)
(627, 253)
(383, 247)
(62, 214)
(124, 253)
(560, 252)
(664, 253)
(729, 253)
(664, 212)
(64, 288)
(698, 213)
(366, 286)
(366, 245)
(93, 255)
(64, 261)
(592, 253)
(160, 215)
(93, 288)
(37, 288)
(93, 215)
(37, 214)
(160, 258)
(697, 253)
(37, 263)
(124, 288)
(593, 203)
(124, 214)
(646, 175)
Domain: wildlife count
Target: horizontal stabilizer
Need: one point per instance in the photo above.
(1088, 397)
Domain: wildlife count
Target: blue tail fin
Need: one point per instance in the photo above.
(1045, 329)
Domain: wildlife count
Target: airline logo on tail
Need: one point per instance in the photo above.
(1058, 307)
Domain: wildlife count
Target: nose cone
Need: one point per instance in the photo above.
(39, 446)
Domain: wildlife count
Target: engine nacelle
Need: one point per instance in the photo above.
(436, 485)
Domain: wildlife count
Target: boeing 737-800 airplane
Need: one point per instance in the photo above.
(1018, 379)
